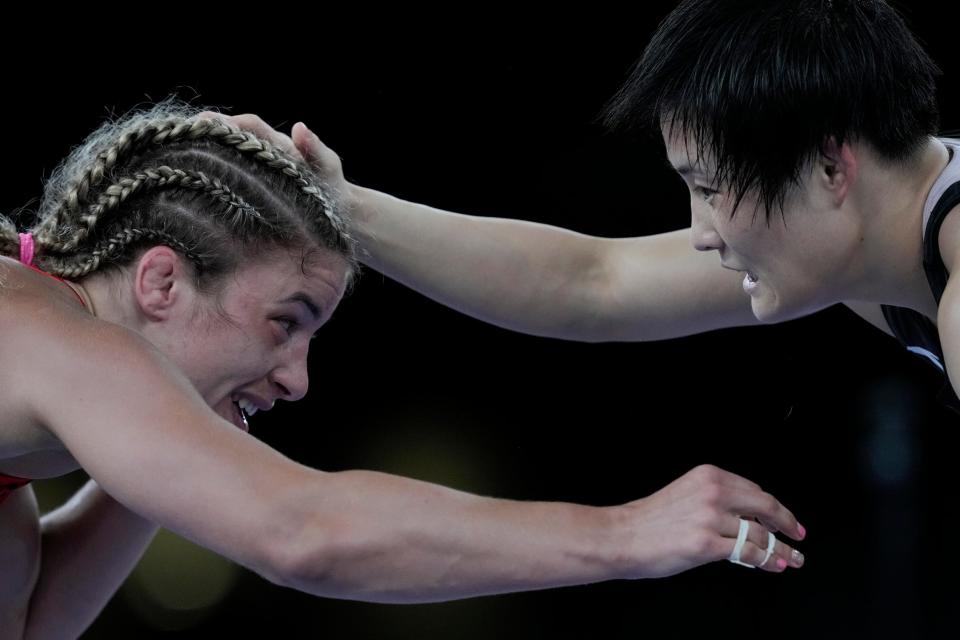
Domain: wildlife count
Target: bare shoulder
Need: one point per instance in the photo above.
(38, 317)
(27, 298)
(42, 317)
(19, 556)
(949, 240)
(56, 362)
(56, 349)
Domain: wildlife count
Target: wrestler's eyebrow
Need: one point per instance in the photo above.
(308, 302)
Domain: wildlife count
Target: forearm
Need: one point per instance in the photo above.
(392, 539)
(520, 275)
(89, 546)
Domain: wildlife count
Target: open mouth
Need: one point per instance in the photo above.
(240, 417)
(247, 407)
(239, 409)
(230, 410)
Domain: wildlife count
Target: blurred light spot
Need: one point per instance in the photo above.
(177, 583)
(435, 449)
(891, 409)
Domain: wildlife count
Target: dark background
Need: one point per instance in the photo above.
(495, 115)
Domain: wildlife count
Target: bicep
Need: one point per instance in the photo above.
(660, 287)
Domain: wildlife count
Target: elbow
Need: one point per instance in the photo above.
(333, 561)
(289, 565)
(296, 556)
(600, 299)
(577, 301)
(309, 556)
(321, 546)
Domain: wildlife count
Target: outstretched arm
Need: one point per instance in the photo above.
(530, 277)
(140, 429)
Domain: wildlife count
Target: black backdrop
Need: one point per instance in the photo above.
(493, 115)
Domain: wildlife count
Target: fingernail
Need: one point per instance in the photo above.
(802, 530)
(797, 558)
(781, 564)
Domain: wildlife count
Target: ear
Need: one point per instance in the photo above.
(161, 281)
(837, 169)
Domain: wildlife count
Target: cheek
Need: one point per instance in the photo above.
(754, 239)
(244, 365)
(237, 346)
(741, 239)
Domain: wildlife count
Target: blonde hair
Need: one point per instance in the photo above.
(164, 176)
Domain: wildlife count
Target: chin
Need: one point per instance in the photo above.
(769, 308)
(763, 313)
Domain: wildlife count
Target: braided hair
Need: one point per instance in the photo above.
(213, 193)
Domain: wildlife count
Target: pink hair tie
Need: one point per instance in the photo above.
(26, 248)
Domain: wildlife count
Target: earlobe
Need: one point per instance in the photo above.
(158, 278)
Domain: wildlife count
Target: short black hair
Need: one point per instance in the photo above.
(761, 85)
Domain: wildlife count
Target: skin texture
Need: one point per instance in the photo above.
(142, 399)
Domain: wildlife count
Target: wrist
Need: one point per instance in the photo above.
(626, 556)
(362, 207)
(612, 542)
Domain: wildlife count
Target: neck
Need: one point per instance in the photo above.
(892, 198)
(84, 296)
(102, 299)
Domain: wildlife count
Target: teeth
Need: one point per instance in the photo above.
(248, 407)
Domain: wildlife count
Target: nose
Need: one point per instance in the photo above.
(291, 377)
(703, 233)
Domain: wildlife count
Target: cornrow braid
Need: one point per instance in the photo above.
(211, 192)
(156, 178)
(9, 238)
(166, 132)
(114, 245)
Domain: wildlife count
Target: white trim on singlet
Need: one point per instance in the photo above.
(949, 175)
(932, 357)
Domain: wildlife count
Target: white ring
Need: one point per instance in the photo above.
(771, 544)
(738, 547)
